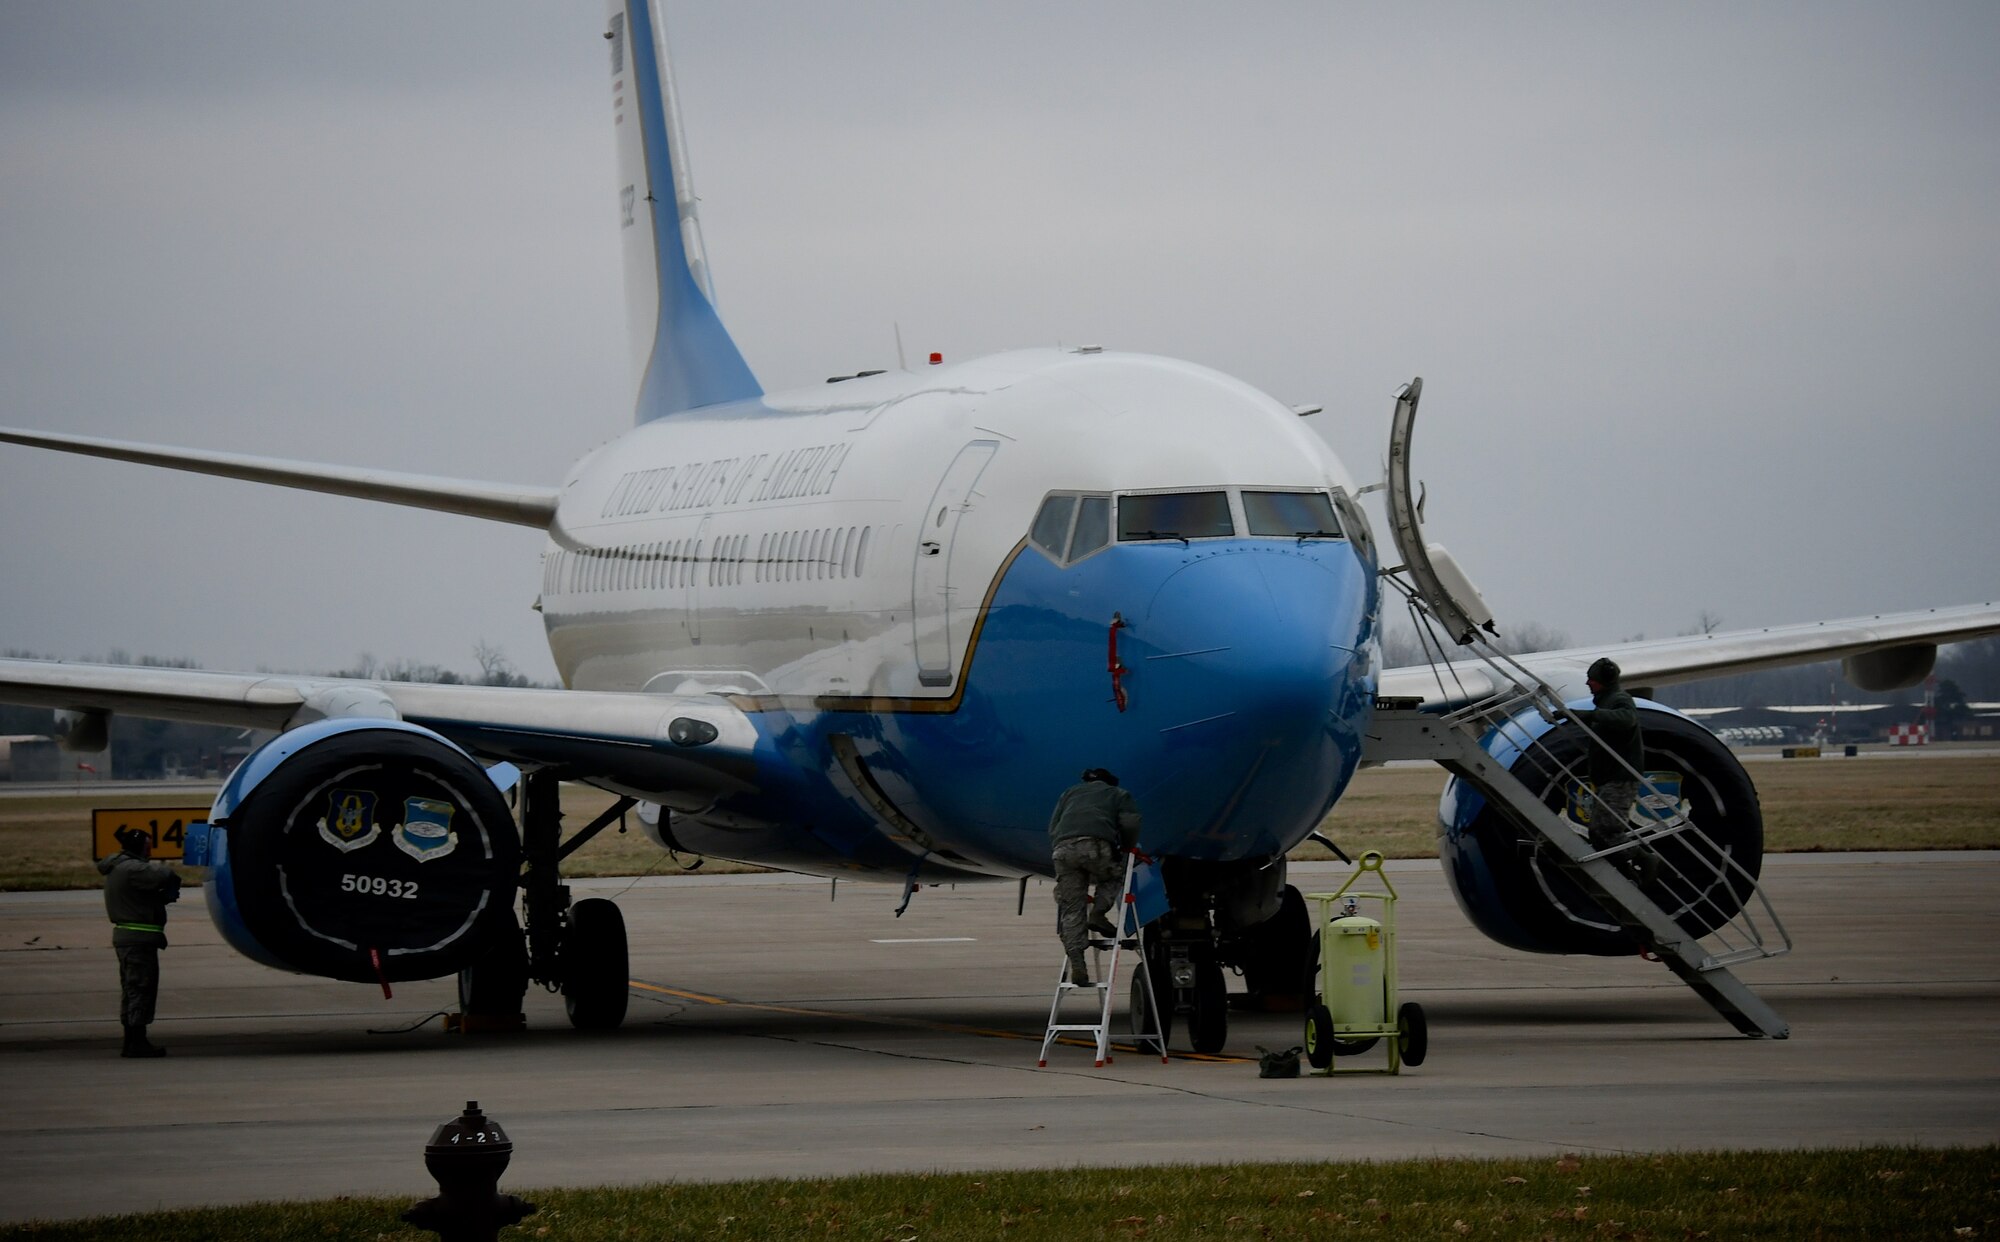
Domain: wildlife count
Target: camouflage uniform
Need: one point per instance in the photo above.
(1615, 720)
(1094, 824)
(136, 894)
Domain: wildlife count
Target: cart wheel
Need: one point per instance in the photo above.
(1319, 1035)
(1413, 1034)
(1353, 1047)
(1208, 1025)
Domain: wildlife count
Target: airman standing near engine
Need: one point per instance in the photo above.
(1615, 720)
(1094, 824)
(136, 894)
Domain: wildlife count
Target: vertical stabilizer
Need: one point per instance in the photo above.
(684, 354)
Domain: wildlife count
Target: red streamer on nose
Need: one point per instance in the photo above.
(1117, 670)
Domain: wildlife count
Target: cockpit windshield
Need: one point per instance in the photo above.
(1174, 515)
(1300, 515)
(1070, 526)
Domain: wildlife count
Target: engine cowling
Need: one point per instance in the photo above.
(1512, 891)
(361, 849)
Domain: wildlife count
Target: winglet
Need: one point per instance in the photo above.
(686, 356)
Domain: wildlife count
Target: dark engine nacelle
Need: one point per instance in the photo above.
(1514, 894)
(360, 849)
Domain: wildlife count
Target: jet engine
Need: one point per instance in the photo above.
(1517, 895)
(361, 849)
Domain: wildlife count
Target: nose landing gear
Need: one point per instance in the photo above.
(1187, 977)
(1187, 955)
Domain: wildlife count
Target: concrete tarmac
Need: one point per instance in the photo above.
(774, 1032)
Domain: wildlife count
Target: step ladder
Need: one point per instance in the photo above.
(1441, 598)
(1131, 937)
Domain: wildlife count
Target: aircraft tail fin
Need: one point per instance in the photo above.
(685, 355)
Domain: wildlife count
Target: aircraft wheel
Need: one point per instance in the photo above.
(496, 981)
(1319, 1035)
(1284, 952)
(1163, 988)
(1143, 1018)
(594, 966)
(1208, 1024)
(1413, 1035)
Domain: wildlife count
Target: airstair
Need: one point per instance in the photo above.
(1693, 907)
(1110, 950)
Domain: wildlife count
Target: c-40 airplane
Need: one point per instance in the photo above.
(873, 629)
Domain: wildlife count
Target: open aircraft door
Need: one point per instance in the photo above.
(931, 587)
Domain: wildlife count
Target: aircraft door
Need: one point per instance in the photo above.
(931, 589)
(695, 563)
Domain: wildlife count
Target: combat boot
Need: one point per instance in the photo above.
(137, 1045)
(1079, 971)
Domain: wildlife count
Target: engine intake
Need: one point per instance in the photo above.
(361, 849)
(1518, 896)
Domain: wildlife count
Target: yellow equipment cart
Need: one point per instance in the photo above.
(1356, 1005)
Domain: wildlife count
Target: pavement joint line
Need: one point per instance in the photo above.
(943, 1028)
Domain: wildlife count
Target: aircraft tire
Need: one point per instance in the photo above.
(594, 966)
(494, 983)
(1163, 988)
(1208, 1023)
(1283, 953)
(1413, 1035)
(1143, 1018)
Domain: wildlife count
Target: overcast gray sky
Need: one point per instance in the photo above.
(1706, 297)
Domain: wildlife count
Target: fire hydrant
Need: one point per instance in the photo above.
(467, 1155)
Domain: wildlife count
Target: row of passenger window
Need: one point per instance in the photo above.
(1071, 525)
(778, 556)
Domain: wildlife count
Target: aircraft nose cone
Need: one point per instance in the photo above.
(1248, 668)
(1265, 638)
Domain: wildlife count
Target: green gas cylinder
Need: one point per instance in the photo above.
(1356, 959)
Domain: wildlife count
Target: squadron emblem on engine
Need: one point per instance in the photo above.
(350, 819)
(425, 832)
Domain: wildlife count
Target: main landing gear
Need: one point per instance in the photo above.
(577, 948)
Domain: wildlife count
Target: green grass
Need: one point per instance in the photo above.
(1928, 802)
(1870, 1193)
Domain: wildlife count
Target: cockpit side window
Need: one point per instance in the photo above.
(1093, 526)
(1291, 515)
(1050, 532)
(1174, 515)
(1070, 526)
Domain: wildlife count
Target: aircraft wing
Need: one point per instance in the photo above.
(1886, 639)
(684, 750)
(495, 502)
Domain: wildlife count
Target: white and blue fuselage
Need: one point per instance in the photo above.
(911, 581)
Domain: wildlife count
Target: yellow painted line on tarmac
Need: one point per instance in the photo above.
(693, 996)
(921, 1024)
